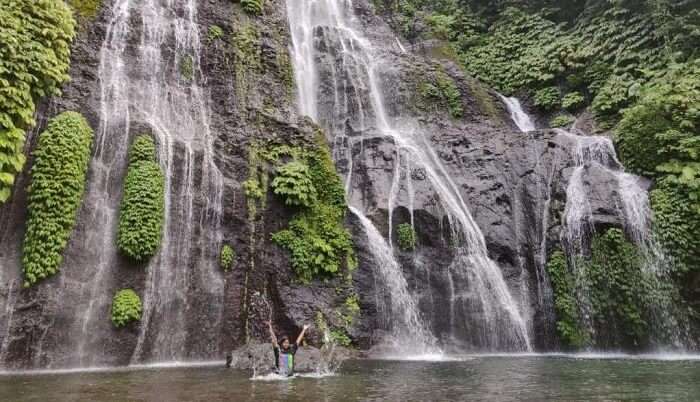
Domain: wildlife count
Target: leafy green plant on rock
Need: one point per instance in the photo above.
(572, 101)
(676, 225)
(215, 33)
(86, 9)
(547, 98)
(34, 59)
(142, 210)
(247, 50)
(126, 308)
(620, 289)
(293, 183)
(227, 257)
(407, 237)
(254, 7)
(444, 92)
(318, 242)
(55, 193)
(562, 120)
(659, 135)
(565, 302)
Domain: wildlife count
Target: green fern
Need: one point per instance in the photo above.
(126, 308)
(227, 257)
(142, 211)
(254, 7)
(55, 193)
(293, 183)
(34, 59)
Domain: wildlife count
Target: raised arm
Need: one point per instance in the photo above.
(273, 337)
(301, 335)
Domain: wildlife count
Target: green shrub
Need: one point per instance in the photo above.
(126, 307)
(562, 120)
(572, 101)
(318, 242)
(35, 38)
(677, 224)
(620, 290)
(293, 183)
(442, 91)
(85, 8)
(565, 302)
(547, 98)
(252, 188)
(227, 257)
(659, 135)
(142, 150)
(215, 33)
(142, 210)
(614, 95)
(55, 193)
(254, 7)
(407, 236)
(247, 50)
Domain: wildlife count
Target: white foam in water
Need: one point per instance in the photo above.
(278, 377)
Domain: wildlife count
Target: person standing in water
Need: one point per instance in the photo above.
(285, 351)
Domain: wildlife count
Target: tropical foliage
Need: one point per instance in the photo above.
(319, 244)
(35, 39)
(254, 7)
(55, 193)
(227, 257)
(565, 302)
(126, 307)
(142, 210)
(407, 236)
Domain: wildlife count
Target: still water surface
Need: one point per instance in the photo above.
(478, 378)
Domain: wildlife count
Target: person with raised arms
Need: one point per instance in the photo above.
(285, 351)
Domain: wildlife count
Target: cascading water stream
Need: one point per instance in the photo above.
(313, 22)
(633, 204)
(149, 83)
(519, 116)
(405, 319)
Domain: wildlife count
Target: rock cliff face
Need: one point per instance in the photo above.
(513, 183)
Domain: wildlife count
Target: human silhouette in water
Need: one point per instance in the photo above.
(285, 351)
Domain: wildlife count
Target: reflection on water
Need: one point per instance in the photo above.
(475, 378)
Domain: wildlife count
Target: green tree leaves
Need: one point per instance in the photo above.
(55, 193)
(142, 210)
(35, 38)
(126, 307)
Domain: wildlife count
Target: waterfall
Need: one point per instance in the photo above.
(519, 116)
(634, 208)
(352, 73)
(405, 318)
(149, 82)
